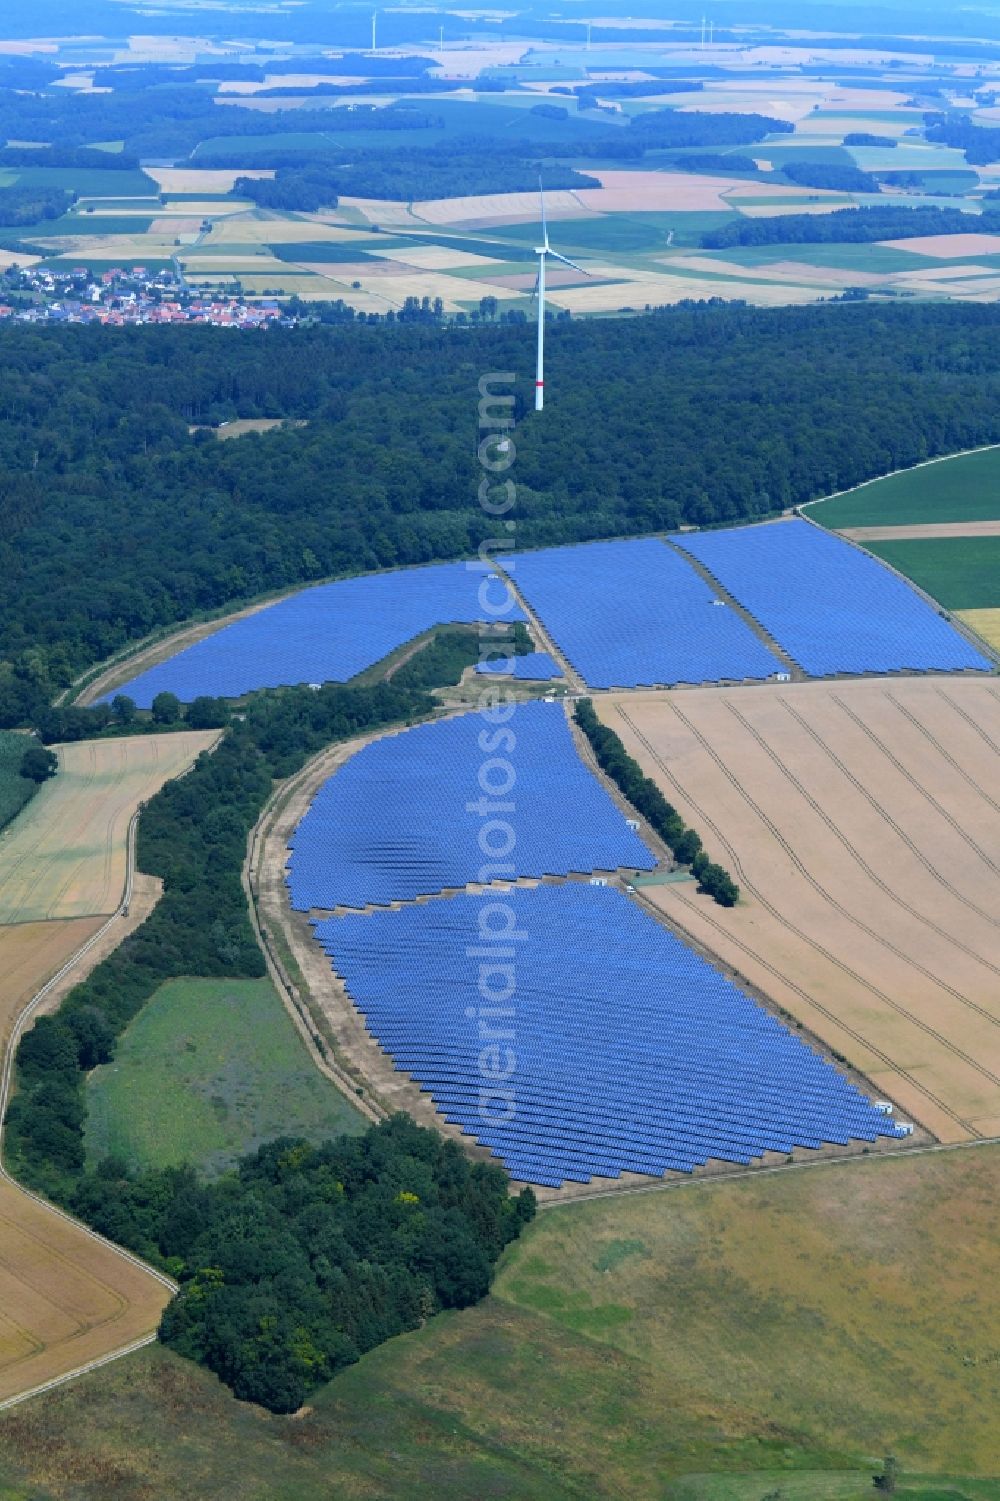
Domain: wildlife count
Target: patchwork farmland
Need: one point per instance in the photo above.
(69, 1298)
(861, 824)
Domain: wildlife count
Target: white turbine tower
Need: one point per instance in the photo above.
(543, 251)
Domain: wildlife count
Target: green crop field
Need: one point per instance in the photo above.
(98, 264)
(208, 1070)
(715, 1343)
(881, 259)
(964, 488)
(88, 224)
(621, 232)
(961, 573)
(332, 251)
(611, 233)
(90, 182)
(15, 790)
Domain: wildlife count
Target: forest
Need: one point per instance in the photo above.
(447, 171)
(28, 205)
(851, 226)
(119, 521)
(833, 176)
(980, 143)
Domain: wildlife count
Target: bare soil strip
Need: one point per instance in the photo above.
(925, 531)
(862, 822)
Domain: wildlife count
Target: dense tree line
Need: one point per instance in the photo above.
(29, 205)
(641, 88)
(865, 138)
(851, 226)
(405, 84)
(127, 76)
(72, 156)
(667, 130)
(838, 177)
(661, 815)
(981, 143)
(118, 521)
(714, 161)
(442, 171)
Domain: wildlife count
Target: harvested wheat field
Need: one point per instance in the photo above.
(947, 247)
(29, 953)
(207, 180)
(862, 822)
(65, 856)
(66, 1298)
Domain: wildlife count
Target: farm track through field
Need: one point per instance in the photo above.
(901, 834)
(917, 785)
(880, 996)
(945, 755)
(828, 896)
(891, 896)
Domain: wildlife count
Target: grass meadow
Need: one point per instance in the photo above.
(718, 1342)
(208, 1070)
(961, 573)
(964, 488)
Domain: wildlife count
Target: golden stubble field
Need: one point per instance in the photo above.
(862, 822)
(64, 856)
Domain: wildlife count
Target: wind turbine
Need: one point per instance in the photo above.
(542, 251)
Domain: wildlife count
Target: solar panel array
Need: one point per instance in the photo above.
(832, 607)
(325, 634)
(633, 614)
(415, 813)
(618, 1050)
(535, 666)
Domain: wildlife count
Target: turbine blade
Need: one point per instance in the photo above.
(567, 262)
(534, 293)
(545, 227)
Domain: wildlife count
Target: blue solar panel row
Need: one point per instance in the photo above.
(633, 614)
(325, 634)
(536, 666)
(832, 607)
(414, 813)
(618, 1049)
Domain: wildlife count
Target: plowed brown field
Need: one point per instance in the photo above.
(862, 822)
